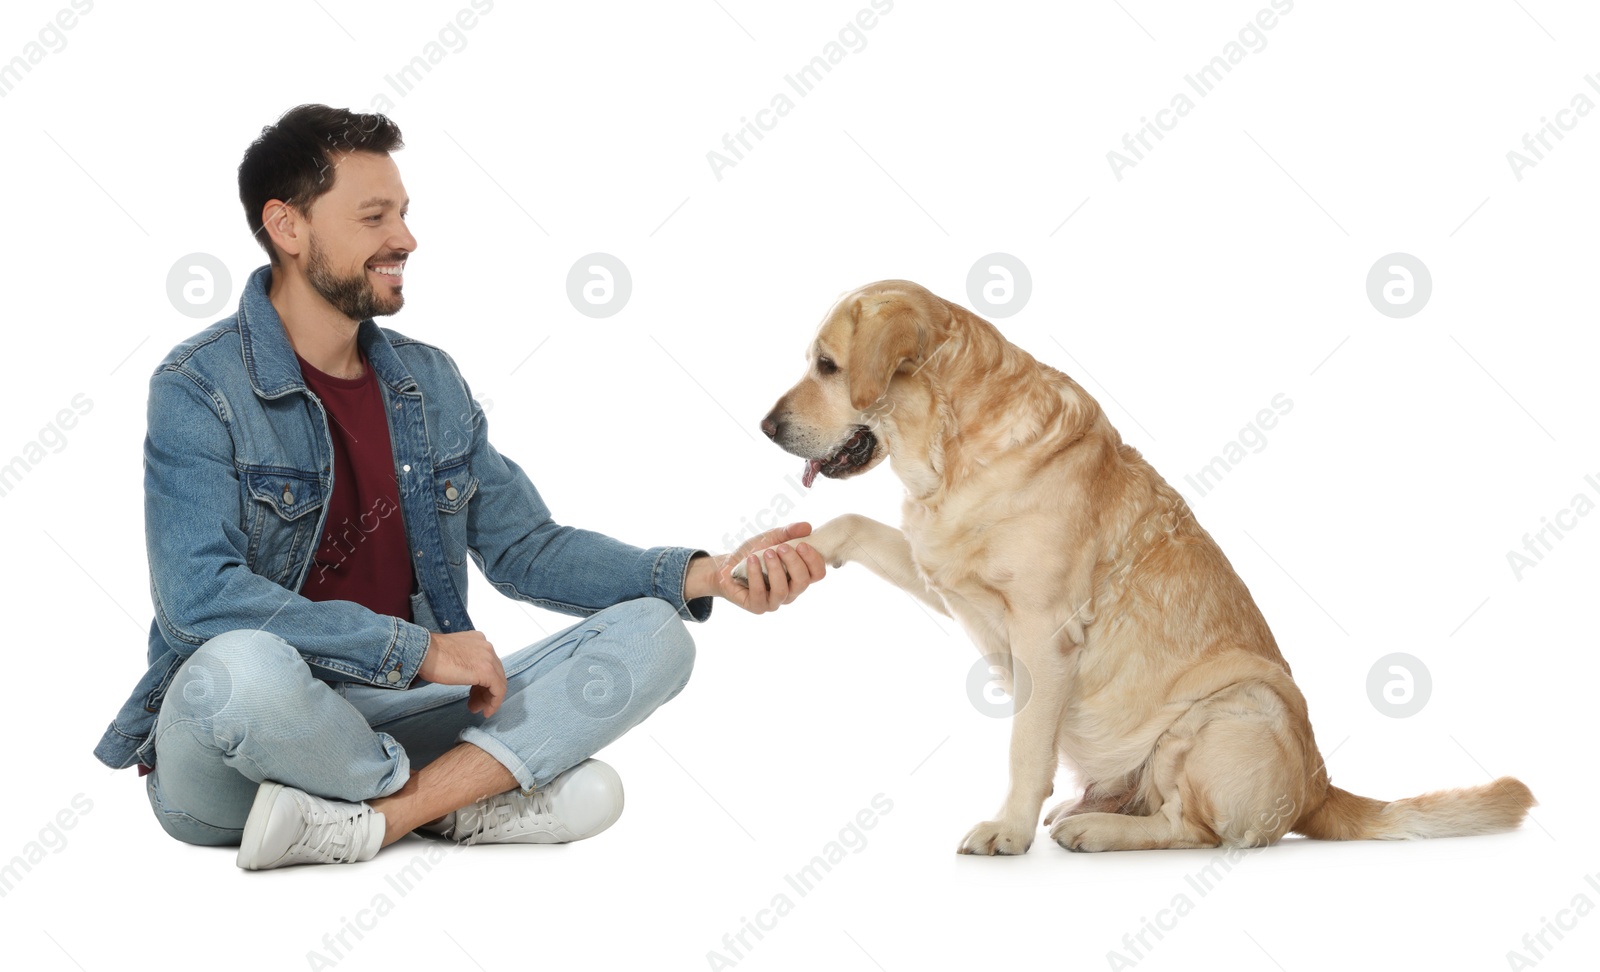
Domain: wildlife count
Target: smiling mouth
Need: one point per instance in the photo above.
(393, 272)
(856, 452)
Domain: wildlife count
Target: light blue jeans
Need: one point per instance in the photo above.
(245, 707)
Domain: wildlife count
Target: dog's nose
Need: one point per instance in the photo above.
(769, 425)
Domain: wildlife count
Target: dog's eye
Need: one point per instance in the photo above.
(825, 366)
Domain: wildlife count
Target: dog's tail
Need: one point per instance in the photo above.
(1486, 809)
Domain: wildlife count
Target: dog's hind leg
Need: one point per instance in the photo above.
(1116, 831)
(1225, 774)
(1114, 797)
(1094, 825)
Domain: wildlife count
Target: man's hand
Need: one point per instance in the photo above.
(466, 658)
(789, 570)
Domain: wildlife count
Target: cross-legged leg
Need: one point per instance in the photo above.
(245, 708)
(464, 774)
(567, 697)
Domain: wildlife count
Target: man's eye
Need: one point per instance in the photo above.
(826, 366)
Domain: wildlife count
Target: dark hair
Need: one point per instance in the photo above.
(294, 159)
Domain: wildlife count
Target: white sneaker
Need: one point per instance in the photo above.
(290, 826)
(579, 803)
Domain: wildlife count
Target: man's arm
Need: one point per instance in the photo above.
(200, 580)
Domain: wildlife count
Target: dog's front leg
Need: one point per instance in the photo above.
(879, 547)
(1039, 693)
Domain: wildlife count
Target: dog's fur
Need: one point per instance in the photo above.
(1149, 670)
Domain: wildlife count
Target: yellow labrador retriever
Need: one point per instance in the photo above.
(1134, 653)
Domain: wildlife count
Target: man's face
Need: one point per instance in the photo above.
(358, 243)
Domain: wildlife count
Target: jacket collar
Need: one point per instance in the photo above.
(269, 357)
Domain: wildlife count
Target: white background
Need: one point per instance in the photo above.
(1227, 267)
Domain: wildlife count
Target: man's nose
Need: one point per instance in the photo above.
(769, 425)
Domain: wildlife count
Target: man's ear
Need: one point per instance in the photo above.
(284, 225)
(887, 335)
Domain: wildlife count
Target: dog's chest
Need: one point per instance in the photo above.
(963, 565)
(964, 545)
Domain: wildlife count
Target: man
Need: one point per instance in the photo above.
(313, 486)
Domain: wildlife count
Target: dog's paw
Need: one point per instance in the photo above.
(833, 539)
(1059, 810)
(1077, 833)
(993, 837)
(829, 541)
(741, 570)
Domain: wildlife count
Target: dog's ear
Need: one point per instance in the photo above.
(887, 334)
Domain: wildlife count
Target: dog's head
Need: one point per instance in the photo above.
(872, 339)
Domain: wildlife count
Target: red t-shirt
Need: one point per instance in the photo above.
(362, 556)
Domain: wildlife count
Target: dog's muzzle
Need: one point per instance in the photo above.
(852, 455)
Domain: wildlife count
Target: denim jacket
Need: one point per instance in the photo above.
(238, 468)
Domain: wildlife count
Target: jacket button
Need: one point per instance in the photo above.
(288, 497)
(450, 492)
(394, 676)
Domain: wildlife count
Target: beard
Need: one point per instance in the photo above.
(353, 295)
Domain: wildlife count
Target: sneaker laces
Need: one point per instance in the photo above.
(512, 808)
(333, 835)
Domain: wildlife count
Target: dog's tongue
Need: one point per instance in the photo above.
(810, 474)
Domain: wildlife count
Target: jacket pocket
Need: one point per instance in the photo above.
(283, 507)
(453, 486)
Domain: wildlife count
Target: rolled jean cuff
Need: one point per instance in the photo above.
(399, 771)
(502, 754)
